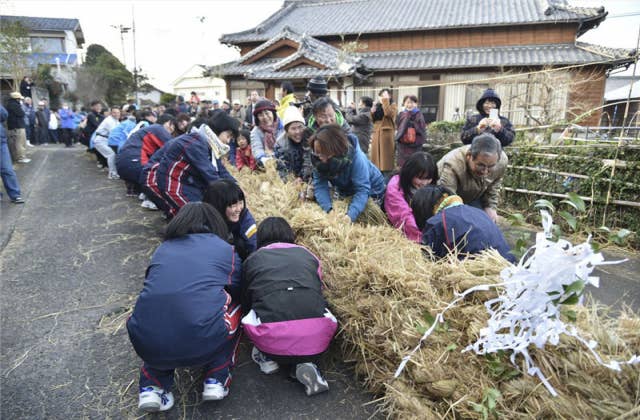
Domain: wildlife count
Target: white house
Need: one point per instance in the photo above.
(193, 80)
(53, 41)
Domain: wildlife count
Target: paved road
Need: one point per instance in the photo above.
(73, 260)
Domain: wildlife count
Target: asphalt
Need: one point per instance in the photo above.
(73, 260)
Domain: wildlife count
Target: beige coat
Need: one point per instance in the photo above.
(383, 140)
(455, 174)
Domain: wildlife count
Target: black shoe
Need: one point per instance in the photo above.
(17, 200)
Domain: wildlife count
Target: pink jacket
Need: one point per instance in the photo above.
(398, 210)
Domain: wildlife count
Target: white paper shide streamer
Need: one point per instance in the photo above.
(527, 311)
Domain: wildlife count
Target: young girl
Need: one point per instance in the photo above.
(227, 197)
(410, 135)
(188, 313)
(244, 156)
(419, 170)
(447, 224)
(287, 320)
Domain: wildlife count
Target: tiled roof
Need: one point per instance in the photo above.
(47, 24)
(436, 59)
(512, 55)
(337, 63)
(341, 17)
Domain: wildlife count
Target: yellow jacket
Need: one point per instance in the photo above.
(284, 103)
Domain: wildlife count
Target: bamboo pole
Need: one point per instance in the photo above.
(534, 169)
(549, 194)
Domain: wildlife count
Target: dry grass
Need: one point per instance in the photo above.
(381, 287)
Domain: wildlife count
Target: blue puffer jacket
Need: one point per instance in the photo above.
(361, 180)
(118, 135)
(466, 228)
(178, 319)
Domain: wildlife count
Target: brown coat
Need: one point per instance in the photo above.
(383, 140)
(455, 175)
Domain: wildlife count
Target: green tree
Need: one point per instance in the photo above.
(45, 79)
(14, 51)
(103, 76)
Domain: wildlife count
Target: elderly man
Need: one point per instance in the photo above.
(475, 172)
(16, 126)
(237, 112)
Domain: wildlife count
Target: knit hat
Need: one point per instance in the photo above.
(292, 114)
(265, 105)
(221, 121)
(488, 94)
(318, 86)
(16, 95)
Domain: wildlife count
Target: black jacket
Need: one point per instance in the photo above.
(16, 115)
(361, 126)
(93, 121)
(469, 131)
(282, 282)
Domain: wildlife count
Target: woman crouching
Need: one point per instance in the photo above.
(287, 320)
(188, 312)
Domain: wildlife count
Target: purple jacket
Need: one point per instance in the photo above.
(282, 287)
(399, 211)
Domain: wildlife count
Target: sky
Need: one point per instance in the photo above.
(173, 35)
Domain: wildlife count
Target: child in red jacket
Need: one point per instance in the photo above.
(244, 156)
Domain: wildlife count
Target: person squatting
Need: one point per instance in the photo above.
(218, 273)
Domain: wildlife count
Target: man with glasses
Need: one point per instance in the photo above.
(475, 172)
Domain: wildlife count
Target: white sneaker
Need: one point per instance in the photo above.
(213, 390)
(24, 160)
(267, 366)
(153, 398)
(113, 176)
(146, 204)
(29, 144)
(309, 376)
(142, 197)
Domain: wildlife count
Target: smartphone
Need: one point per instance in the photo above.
(493, 114)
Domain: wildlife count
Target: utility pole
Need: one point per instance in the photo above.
(123, 30)
(135, 63)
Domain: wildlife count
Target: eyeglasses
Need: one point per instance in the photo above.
(482, 167)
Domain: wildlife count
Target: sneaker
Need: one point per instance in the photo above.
(113, 176)
(142, 197)
(153, 398)
(267, 366)
(309, 376)
(99, 165)
(214, 390)
(146, 204)
(24, 160)
(29, 144)
(17, 200)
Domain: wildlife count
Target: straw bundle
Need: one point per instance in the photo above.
(385, 290)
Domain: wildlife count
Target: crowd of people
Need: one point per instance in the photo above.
(232, 272)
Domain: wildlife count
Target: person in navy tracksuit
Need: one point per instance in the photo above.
(188, 312)
(287, 317)
(449, 225)
(148, 180)
(193, 161)
(141, 145)
(228, 198)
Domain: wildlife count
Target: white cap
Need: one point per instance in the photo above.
(292, 114)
